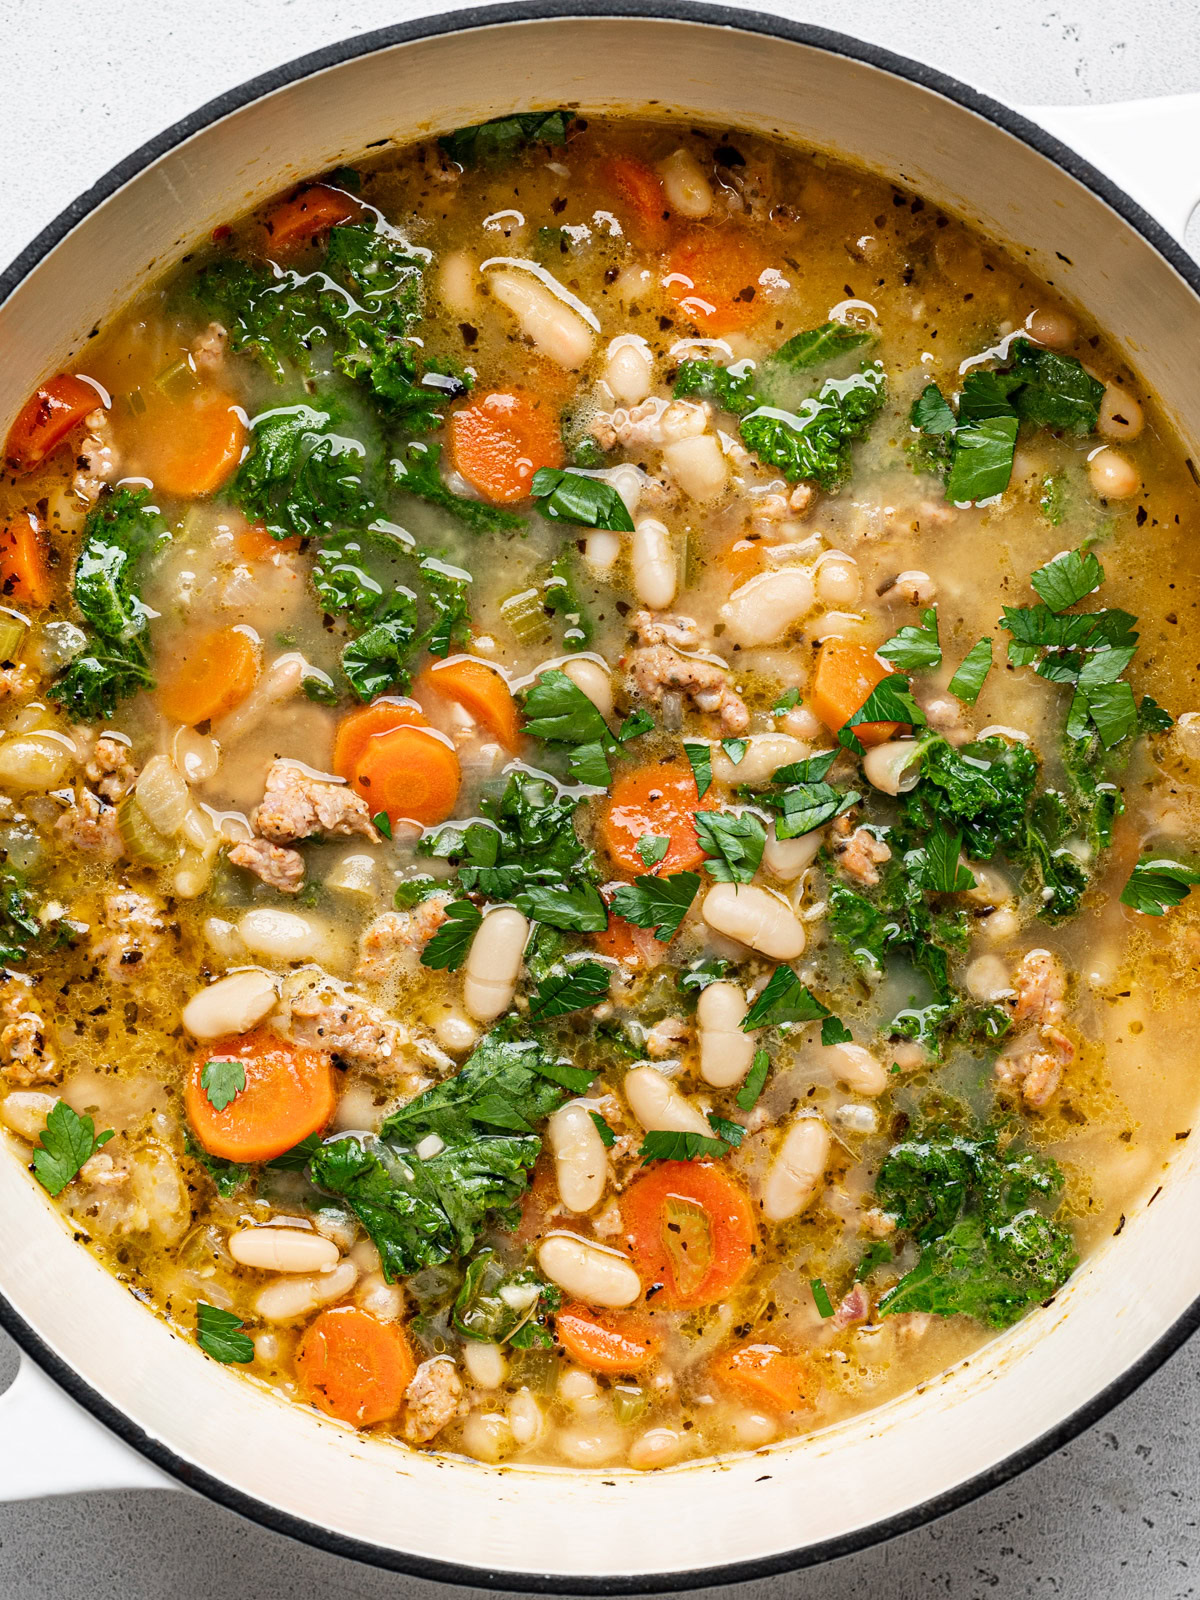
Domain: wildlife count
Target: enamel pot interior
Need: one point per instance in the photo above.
(790, 1504)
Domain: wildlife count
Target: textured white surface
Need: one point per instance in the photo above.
(1113, 1514)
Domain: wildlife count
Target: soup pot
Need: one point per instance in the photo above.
(164, 1407)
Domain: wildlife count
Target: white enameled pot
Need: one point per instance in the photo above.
(158, 1407)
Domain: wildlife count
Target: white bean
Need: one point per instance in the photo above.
(836, 625)
(726, 1053)
(856, 1067)
(354, 873)
(801, 723)
(627, 480)
(796, 1175)
(578, 1389)
(493, 963)
(1112, 475)
(629, 369)
(755, 917)
(655, 569)
(769, 606)
(838, 581)
(25, 1112)
(231, 1005)
(1003, 924)
(485, 1363)
(893, 767)
(601, 549)
(752, 1428)
(36, 761)
(580, 1164)
(987, 978)
(786, 859)
(455, 1033)
(687, 188)
(764, 754)
(197, 755)
(593, 680)
(1052, 328)
(384, 1300)
(590, 1444)
(457, 283)
(590, 1272)
(657, 1447)
(526, 1418)
(283, 1250)
(558, 332)
(487, 1436)
(282, 935)
(697, 465)
(290, 1298)
(1121, 417)
(658, 1104)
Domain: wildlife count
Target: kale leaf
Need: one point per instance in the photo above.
(415, 471)
(302, 476)
(814, 440)
(504, 137)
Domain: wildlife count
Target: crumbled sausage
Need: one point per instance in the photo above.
(208, 348)
(131, 932)
(1034, 1063)
(654, 423)
(26, 1048)
(858, 852)
(279, 866)
(398, 932)
(1040, 986)
(89, 825)
(657, 668)
(432, 1399)
(317, 1011)
(104, 1171)
(17, 681)
(664, 627)
(667, 1037)
(97, 462)
(110, 770)
(295, 806)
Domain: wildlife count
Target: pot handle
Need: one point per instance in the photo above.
(50, 1445)
(1147, 146)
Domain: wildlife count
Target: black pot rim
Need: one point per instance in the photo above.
(690, 11)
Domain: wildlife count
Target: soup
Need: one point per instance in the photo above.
(592, 768)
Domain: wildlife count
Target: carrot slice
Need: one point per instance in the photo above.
(692, 1229)
(640, 202)
(844, 677)
(354, 1367)
(411, 773)
(256, 544)
(743, 560)
(24, 572)
(500, 439)
(46, 418)
(626, 942)
(606, 1344)
(763, 1374)
(290, 1093)
(360, 725)
(191, 445)
(713, 275)
(482, 691)
(216, 674)
(661, 800)
(297, 222)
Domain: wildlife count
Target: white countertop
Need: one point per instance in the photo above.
(1112, 1515)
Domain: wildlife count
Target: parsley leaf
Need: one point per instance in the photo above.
(733, 842)
(658, 903)
(755, 1082)
(784, 999)
(1157, 883)
(569, 496)
(788, 699)
(665, 1144)
(222, 1082)
(890, 700)
(939, 867)
(557, 710)
(931, 412)
(219, 1334)
(697, 977)
(577, 908)
(637, 723)
(983, 458)
(700, 760)
(967, 682)
(834, 1031)
(735, 749)
(67, 1141)
(1067, 579)
(914, 649)
(607, 1137)
(569, 989)
(447, 950)
(821, 1298)
(652, 847)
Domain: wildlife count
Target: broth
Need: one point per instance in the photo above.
(608, 804)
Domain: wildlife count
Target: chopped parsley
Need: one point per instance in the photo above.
(67, 1141)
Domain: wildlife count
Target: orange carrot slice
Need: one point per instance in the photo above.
(662, 800)
(46, 418)
(844, 677)
(289, 1093)
(500, 439)
(354, 730)
(692, 1230)
(191, 445)
(354, 1367)
(763, 1374)
(639, 200)
(216, 674)
(254, 543)
(297, 222)
(713, 275)
(24, 572)
(483, 692)
(743, 560)
(613, 1343)
(411, 773)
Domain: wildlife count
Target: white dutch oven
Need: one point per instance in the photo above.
(1135, 1301)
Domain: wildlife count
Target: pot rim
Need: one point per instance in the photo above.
(518, 11)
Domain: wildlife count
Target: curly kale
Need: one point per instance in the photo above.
(972, 1205)
(302, 476)
(813, 441)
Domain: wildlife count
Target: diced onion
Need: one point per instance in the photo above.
(163, 795)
